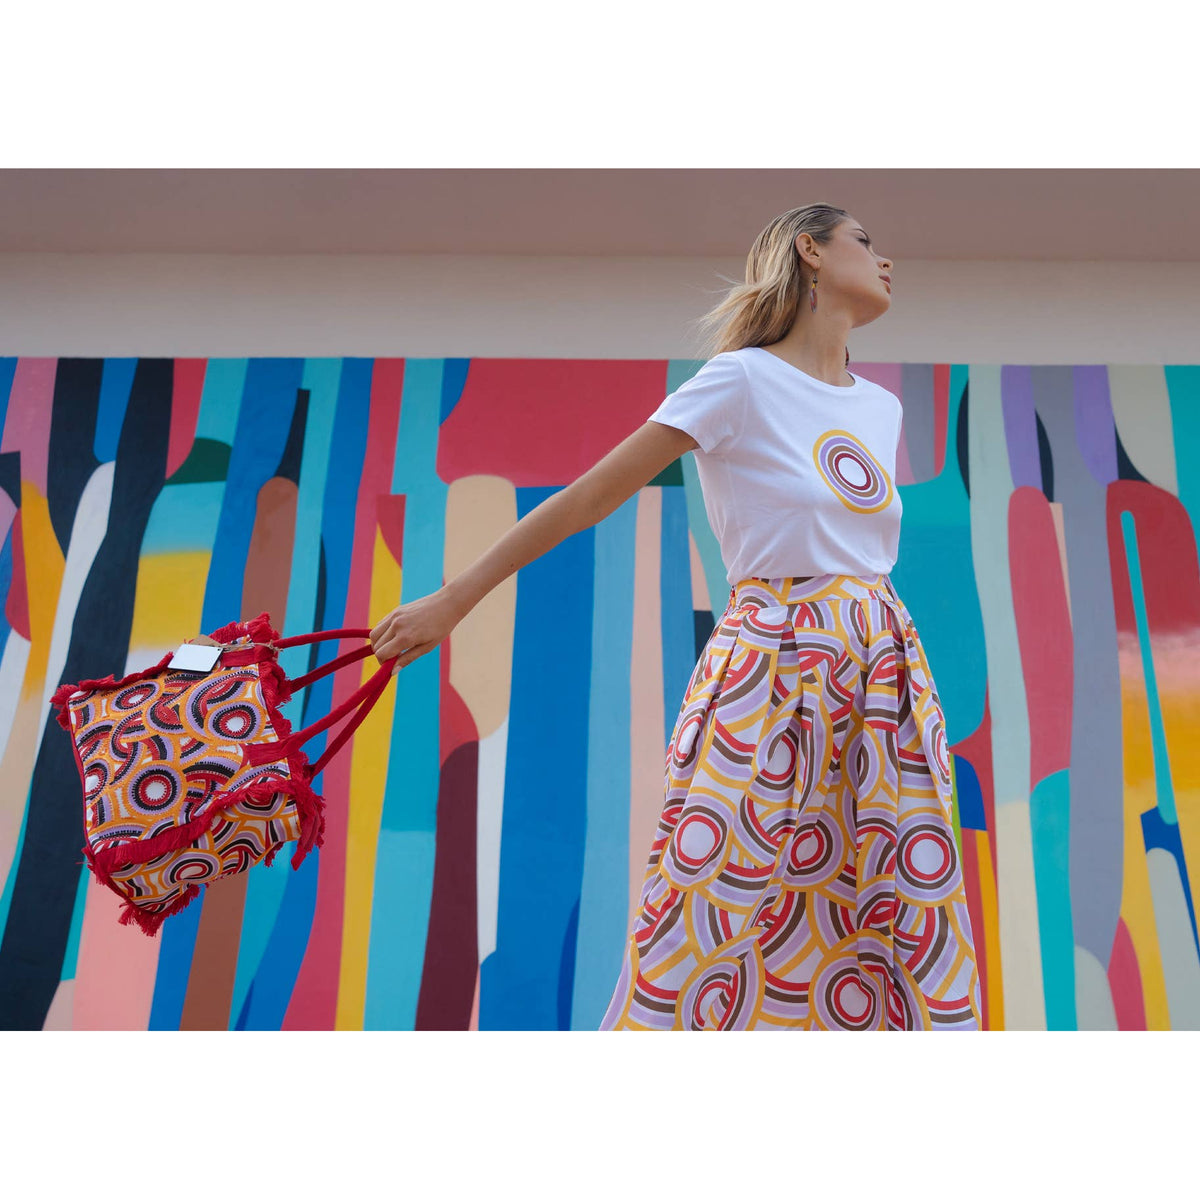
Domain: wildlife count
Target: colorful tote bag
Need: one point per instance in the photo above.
(190, 771)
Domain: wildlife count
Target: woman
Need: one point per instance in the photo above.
(804, 874)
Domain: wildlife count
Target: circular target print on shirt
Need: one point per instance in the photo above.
(851, 470)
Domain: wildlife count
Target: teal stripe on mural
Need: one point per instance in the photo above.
(604, 887)
(676, 620)
(1163, 790)
(935, 576)
(184, 517)
(707, 546)
(1050, 823)
(221, 400)
(322, 378)
(1183, 394)
(405, 858)
(71, 954)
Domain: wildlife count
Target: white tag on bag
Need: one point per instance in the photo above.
(193, 657)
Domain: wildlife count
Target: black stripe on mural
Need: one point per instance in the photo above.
(47, 877)
(10, 475)
(72, 456)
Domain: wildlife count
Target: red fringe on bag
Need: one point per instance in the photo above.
(65, 691)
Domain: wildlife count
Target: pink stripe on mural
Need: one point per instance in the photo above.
(1125, 979)
(904, 471)
(115, 971)
(27, 424)
(314, 1000)
(1043, 620)
(185, 410)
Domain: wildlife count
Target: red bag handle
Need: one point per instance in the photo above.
(363, 699)
(322, 635)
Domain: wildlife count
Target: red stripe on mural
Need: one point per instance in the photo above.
(977, 750)
(314, 1001)
(1043, 620)
(543, 422)
(185, 411)
(941, 414)
(451, 963)
(16, 607)
(970, 866)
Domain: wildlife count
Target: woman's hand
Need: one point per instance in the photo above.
(415, 628)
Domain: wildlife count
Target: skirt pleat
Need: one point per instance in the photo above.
(804, 873)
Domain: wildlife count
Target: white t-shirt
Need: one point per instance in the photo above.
(796, 473)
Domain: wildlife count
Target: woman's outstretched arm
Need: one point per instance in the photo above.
(416, 627)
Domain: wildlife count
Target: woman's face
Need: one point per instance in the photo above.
(852, 266)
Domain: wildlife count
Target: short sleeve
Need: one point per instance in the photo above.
(711, 405)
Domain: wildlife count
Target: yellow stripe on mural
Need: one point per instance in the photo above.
(368, 778)
(991, 930)
(1137, 901)
(1177, 671)
(169, 602)
(44, 565)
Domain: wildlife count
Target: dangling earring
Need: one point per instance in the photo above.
(812, 294)
(847, 356)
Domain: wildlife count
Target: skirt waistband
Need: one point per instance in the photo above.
(757, 592)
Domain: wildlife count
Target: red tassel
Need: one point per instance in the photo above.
(257, 629)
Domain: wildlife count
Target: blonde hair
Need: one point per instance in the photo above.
(762, 309)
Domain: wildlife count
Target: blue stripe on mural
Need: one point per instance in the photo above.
(454, 379)
(1158, 835)
(1050, 825)
(116, 382)
(970, 794)
(604, 887)
(267, 886)
(676, 615)
(264, 418)
(178, 936)
(541, 844)
(405, 855)
(275, 978)
(8, 371)
(1163, 789)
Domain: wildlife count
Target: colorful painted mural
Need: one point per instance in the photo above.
(489, 822)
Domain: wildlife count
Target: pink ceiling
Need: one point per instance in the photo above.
(1100, 215)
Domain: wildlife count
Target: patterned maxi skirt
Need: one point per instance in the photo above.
(805, 872)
